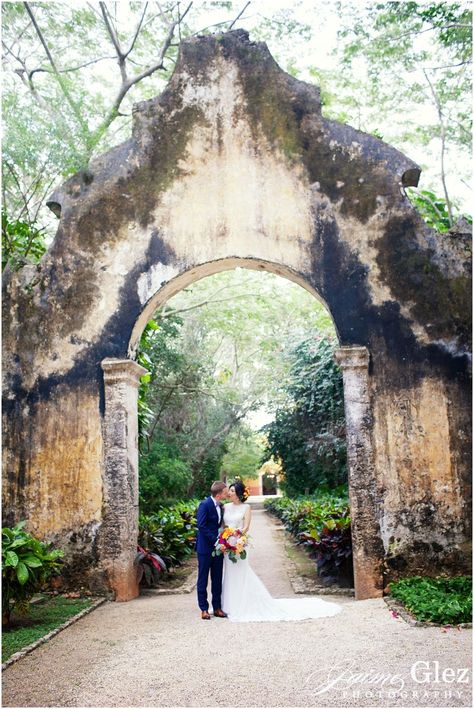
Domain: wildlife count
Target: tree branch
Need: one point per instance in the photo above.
(56, 72)
(115, 41)
(239, 15)
(443, 146)
(169, 313)
(72, 68)
(137, 31)
(428, 29)
(129, 82)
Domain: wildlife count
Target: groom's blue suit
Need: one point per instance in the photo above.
(208, 531)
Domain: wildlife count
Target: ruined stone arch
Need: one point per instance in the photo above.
(170, 288)
(234, 162)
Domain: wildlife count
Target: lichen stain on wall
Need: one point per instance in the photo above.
(413, 456)
(65, 470)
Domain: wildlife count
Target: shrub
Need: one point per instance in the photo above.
(332, 549)
(321, 523)
(170, 532)
(27, 564)
(438, 600)
(149, 566)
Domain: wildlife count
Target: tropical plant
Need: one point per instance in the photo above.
(170, 532)
(437, 600)
(322, 524)
(332, 549)
(149, 566)
(27, 564)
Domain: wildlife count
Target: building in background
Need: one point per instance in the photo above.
(268, 480)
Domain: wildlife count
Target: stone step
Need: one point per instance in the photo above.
(257, 501)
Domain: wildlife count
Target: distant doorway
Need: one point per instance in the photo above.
(269, 484)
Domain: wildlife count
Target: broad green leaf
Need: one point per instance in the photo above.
(22, 573)
(11, 559)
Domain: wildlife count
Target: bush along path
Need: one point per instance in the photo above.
(320, 523)
(434, 601)
(165, 544)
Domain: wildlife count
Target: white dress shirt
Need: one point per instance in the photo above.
(218, 508)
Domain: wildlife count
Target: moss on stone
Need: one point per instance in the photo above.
(441, 304)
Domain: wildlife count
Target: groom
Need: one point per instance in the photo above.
(209, 519)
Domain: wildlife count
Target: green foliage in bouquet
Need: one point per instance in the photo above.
(447, 601)
(27, 564)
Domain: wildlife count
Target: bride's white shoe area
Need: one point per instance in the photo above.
(245, 597)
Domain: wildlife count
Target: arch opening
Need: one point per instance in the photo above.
(354, 363)
(168, 289)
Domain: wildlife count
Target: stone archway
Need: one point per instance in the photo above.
(120, 512)
(235, 162)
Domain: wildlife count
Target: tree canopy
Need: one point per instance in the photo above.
(72, 71)
(308, 433)
(217, 355)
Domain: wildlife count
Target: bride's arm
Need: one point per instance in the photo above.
(247, 519)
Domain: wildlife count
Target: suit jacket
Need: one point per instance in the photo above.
(207, 526)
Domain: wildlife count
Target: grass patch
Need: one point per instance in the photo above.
(42, 618)
(447, 601)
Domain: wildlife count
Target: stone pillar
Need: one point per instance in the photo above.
(367, 544)
(119, 531)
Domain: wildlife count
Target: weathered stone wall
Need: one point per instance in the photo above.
(234, 165)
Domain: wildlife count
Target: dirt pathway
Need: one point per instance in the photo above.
(156, 651)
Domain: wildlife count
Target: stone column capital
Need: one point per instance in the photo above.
(352, 357)
(122, 370)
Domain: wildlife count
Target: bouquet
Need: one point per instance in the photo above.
(232, 542)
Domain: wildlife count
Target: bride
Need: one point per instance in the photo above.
(244, 595)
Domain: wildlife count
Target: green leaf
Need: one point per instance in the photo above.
(11, 559)
(32, 561)
(22, 573)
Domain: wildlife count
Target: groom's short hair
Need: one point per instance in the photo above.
(217, 487)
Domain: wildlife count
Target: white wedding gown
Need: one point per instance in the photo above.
(246, 598)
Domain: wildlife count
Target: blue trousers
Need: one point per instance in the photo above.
(214, 564)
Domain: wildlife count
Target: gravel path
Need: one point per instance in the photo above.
(156, 651)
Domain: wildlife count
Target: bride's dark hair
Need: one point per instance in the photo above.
(240, 490)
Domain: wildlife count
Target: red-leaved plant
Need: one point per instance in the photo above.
(149, 566)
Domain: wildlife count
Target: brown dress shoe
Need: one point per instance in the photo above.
(220, 613)
(205, 615)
